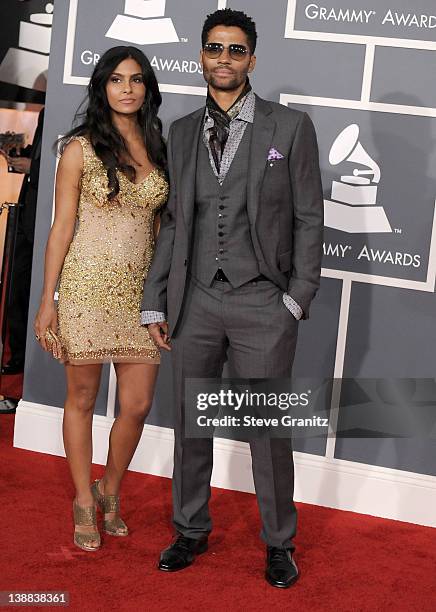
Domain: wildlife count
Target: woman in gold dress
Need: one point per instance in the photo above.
(110, 185)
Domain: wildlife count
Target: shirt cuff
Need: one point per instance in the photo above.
(292, 306)
(151, 316)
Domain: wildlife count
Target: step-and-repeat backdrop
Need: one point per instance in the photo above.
(364, 72)
(24, 50)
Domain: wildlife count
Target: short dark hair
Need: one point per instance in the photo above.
(230, 18)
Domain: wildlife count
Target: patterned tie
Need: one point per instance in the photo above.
(219, 133)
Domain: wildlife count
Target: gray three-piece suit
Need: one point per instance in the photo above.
(263, 222)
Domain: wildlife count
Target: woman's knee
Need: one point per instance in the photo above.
(136, 410)
(82, 397)
(82, 386)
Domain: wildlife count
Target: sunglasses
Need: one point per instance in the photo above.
(214, 50)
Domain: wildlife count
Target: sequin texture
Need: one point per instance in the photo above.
(101, 283)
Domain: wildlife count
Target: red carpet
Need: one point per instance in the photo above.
(348, 562)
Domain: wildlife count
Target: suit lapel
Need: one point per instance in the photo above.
(191, 138)
(261, 141)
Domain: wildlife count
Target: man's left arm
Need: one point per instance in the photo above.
(308, 203)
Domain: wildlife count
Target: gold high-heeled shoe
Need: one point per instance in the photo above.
(86, 517)
(110, 503)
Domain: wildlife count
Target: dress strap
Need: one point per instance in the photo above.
(88, 151)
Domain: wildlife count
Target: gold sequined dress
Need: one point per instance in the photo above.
(101, 282)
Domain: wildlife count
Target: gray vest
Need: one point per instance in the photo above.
(221, 236)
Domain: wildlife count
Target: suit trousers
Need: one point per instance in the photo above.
(18, 307)
(251, 328)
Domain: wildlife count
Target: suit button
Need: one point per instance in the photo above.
(220, 233)
(221, 207)
(220, 215)
(221, 251)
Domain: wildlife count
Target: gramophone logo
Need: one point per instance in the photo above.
(24, 65)
(143, 24)
(353, 206)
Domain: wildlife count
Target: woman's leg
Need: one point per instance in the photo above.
(83, 382)
(136, 383)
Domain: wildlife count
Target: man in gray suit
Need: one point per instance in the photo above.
(237, 264)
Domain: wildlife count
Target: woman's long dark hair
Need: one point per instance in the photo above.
(96, 123)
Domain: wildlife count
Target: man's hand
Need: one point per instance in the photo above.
(19, 164)
(159, 333)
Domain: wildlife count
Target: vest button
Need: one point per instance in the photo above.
(220, 233)
(221, 207)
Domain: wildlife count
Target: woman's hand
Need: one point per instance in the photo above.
(46, 326)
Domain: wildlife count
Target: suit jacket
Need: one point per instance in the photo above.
(284, 205)
(29, 190)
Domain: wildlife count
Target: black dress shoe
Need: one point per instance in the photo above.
(181, 553)
(13, 367)
(281, 569)
(8, 405)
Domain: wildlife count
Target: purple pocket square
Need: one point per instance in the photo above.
(274, 154)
